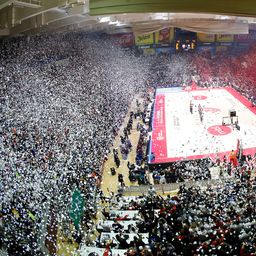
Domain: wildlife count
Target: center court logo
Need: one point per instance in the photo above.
(219, 130)
(199, 97)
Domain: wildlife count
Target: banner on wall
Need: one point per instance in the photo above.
(221, 48)
(164, 36)
(149, 51)
(163, 50)
(246, 37)
(226, 44)
(205, 49)
(144, 39)
(207, 38)
(224, 38)
(125, 40)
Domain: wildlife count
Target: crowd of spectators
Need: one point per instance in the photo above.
(212, 220)
(183, 171)
(63, 98)
(58, 120)
(170, 70)
(226, 69)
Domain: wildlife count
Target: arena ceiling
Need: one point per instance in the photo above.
(18, 17)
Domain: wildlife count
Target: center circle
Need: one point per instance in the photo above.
(199, 97)
(219, 130)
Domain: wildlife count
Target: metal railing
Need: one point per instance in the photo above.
(37, 2)
(169, 187)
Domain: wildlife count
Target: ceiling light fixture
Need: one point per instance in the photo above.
(104, 19)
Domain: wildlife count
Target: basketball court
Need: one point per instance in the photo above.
(194, 124)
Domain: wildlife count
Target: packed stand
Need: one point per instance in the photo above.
(170, 70)
(227, 69)
(208, 220)
(182, 171)
(59, 116)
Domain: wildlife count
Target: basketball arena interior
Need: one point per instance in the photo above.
(127, 128)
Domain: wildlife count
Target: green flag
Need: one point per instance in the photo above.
(77, 207)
